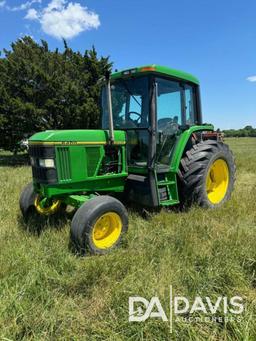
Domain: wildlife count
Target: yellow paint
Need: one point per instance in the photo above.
(53, 208)
(106, 231)
(217, 181)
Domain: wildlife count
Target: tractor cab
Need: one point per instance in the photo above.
(153, 105)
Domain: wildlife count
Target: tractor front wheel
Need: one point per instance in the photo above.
(30, 204)
(207, 174)
(98, 225)
(27, 200)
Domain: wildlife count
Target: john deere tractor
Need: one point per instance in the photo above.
(152, 150)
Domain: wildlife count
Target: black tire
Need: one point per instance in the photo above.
(87, 215)
(194, 167)
(27, 199)
(27, 204)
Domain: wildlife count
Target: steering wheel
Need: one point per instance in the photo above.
(134, 113)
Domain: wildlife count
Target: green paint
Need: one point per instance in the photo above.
(77, 200)
(67, 137)
(105, 183)
(162, 70)
(84, 165)
(170, 181)
(182, 142)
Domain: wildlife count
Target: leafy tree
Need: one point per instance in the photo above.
(247, 131)
(42, 89)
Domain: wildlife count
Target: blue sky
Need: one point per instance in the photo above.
(214, 40)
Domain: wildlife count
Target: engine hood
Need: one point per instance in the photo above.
(79, 136)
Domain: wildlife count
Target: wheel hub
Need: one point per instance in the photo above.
(217, 181)
(45, 207)
(107, 230)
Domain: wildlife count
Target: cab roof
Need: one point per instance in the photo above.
(156, 69)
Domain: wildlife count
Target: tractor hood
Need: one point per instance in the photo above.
(68, 161)
(76, 137)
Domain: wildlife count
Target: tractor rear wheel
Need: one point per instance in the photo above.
(98, 225)
(207, 174)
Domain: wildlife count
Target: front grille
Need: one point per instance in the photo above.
(64, 163)
(44, 175)
(41, 151)
(41, 174)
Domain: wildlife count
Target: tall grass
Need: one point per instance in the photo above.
(48, 293)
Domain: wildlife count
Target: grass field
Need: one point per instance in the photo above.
(48, 293)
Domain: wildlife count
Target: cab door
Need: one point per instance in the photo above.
(175, 110)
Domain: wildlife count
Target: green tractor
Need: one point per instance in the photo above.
(153, 150)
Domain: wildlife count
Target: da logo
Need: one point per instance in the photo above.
(151, 309)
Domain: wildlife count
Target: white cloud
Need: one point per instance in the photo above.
(22, 7)
(64, 20)
(251, 79)
(55, 5)
(2, 3)
(31, 14)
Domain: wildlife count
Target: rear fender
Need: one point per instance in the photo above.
(182, 143)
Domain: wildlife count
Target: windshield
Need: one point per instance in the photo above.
(130, 103)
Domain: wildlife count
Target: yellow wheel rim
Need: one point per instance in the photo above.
(106, 230)
(217, 181)
(47, 210)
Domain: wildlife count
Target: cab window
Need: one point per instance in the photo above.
(175, 106)
(189, 104)
(169, 103)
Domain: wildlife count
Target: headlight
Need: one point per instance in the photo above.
(47, 163)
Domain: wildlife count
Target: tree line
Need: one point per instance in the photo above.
(247, 131)
(42, 89)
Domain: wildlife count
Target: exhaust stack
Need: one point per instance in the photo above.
(110, 113)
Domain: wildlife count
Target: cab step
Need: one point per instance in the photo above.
(167, 189)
